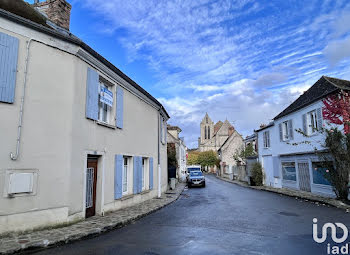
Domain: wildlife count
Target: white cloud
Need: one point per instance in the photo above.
(239, 60)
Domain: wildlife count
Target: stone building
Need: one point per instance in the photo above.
(213, 136)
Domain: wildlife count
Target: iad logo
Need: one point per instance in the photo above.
(333, 227)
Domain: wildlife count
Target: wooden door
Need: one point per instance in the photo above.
(304, 176)
(91, 179)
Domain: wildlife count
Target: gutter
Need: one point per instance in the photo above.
(20, 121)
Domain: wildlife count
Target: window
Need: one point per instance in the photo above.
(320, 172)
(311, 122)
(143, 173)
(125, 175)
(205, 133)
(208, 132)
(288, 171)
(266, 137)
(105, 103)
(286, 130)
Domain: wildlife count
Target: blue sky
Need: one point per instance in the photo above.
(238, 60)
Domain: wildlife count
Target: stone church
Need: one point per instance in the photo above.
(213, 136)
(223, 139)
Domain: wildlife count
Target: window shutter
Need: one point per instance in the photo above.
(319, 119)
(120, 108)
(140, 174)
(92, 90)
(151, 173)
(291, 134)
(118, 177)
(304, 124)
(161, 129)
(135, 174)
(8, 67)
(281, 133)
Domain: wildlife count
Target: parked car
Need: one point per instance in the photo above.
(195, 178)
(193, 168)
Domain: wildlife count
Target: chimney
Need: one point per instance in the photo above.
(57, 11)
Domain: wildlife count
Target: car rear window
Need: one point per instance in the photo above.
(196, 173)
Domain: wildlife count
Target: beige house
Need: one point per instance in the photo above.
(78, 136)
(173, 139)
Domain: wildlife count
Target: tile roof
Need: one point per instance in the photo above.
(323, 87)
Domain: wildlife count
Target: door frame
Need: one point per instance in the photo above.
(100, 183)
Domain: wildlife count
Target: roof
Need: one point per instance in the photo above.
(217, 126)
(322, 88)
(24, 10)
(264, 127)
(22, 13)
(169, 127)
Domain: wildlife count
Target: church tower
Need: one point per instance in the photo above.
(207, 129)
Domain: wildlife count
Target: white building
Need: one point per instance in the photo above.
(297, 166)
(181, 151)
(78, 136)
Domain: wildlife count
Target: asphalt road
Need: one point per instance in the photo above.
(221, 218)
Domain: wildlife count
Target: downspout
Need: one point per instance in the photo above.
(15, 156)
(159, 169)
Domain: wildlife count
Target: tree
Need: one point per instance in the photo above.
(337, 110)
(242, 154)
(172, 161)
(337, 161)
(193, 158)
(208, 158)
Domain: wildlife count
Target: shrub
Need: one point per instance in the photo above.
(257, 174)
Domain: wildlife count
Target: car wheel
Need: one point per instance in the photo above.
(189, 185)
(203, 185)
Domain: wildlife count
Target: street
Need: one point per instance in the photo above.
(222, 218)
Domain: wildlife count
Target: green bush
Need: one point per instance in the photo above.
(257, 174)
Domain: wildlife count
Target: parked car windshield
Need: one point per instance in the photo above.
(197, 173)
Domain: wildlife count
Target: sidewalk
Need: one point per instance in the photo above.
(295, 193)
(91, 227)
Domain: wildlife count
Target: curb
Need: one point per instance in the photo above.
(296, 194)
(39, 245)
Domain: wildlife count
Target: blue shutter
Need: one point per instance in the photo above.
(305, 125)
(291, 133)
(161, 129)
(140, 174)
(120, 106)
(118, 177)
(281, 132)
(151, 173)
(92, 88)
(8, 67)
(135, 175)
(319, 119)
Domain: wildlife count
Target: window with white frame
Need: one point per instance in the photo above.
(285, 134)
(311, 119)
(105, 103)
(266, 137)
(125, 175)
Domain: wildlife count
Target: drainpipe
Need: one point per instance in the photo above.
(12, 155)
(159, 169)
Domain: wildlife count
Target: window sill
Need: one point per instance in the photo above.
(105, 124)
(126, 197)
(145, 191)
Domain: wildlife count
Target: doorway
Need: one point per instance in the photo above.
(304, 176)
(91, 181)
